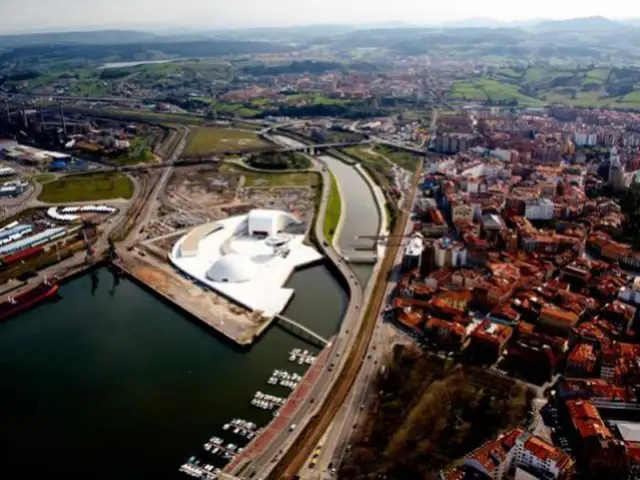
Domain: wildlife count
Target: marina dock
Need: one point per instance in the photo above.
(297, 397)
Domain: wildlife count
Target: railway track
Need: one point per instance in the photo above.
(121, 231)
(294, 459)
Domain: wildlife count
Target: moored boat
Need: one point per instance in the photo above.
(26, 300)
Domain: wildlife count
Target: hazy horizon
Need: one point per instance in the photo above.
(24, 16)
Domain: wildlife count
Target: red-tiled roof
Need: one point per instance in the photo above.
(586, 420)
(559, 314)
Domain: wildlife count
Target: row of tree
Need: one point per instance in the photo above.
(279, 161)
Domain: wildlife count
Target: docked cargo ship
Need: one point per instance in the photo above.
(26, 300)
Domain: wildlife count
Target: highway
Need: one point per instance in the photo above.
(346, 340)
(336, 438)
(262, 465)
(294, 460)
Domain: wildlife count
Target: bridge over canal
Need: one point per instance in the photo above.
(301, 331)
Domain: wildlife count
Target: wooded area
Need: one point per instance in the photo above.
(429, 413)
(279, 161)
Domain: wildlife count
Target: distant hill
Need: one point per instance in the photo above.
(281, 34)
(89, 37)
(581, 24)
(125, 52)
(634, 22)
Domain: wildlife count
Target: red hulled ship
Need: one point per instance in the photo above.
(26, 300)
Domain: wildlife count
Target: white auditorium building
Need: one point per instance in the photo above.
(247, 258)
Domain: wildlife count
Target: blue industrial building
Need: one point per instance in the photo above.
(33, 241)
(19, 229)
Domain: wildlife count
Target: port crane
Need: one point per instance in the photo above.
(87, 247)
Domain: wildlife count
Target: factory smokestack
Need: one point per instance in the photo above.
(23, 112)
(64, 125)
(6, 110)
(42, 118)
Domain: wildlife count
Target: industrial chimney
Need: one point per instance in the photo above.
(6, 110)
(23, 112)
(64, 125)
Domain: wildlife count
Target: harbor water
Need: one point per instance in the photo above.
(110, 382)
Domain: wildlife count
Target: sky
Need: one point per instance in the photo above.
(43, 15)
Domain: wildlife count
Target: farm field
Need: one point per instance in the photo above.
(87, 188)
(540, 85)
(211, 140)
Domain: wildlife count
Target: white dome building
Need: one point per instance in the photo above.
(232, 268)
(246, 258)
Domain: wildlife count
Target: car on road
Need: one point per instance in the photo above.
(293, 427)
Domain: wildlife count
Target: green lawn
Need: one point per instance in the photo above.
(373, 161)
(87, 188)
(539, 86)
(334, 209)
(633, 97)
(406, 160)
(599, 74)
(499, 91)
(210, 140)
(467, 91)
(510, 73)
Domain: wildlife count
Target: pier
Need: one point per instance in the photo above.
(301, 331)
(189, 297)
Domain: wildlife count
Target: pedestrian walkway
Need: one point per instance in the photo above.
(271, 431)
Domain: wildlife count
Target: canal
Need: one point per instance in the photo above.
(110, 382)
(361, 214)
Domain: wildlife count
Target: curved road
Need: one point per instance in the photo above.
(263, 464)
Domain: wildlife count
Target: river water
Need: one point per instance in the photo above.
(359, 208)
(110, 382)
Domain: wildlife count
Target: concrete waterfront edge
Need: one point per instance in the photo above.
(376, 191)
(363, 313)
(373, 186)
(318, 234)
(341, 217)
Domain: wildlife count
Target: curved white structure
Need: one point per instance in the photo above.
(247, 258)
(233, 268)
(68, 214)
